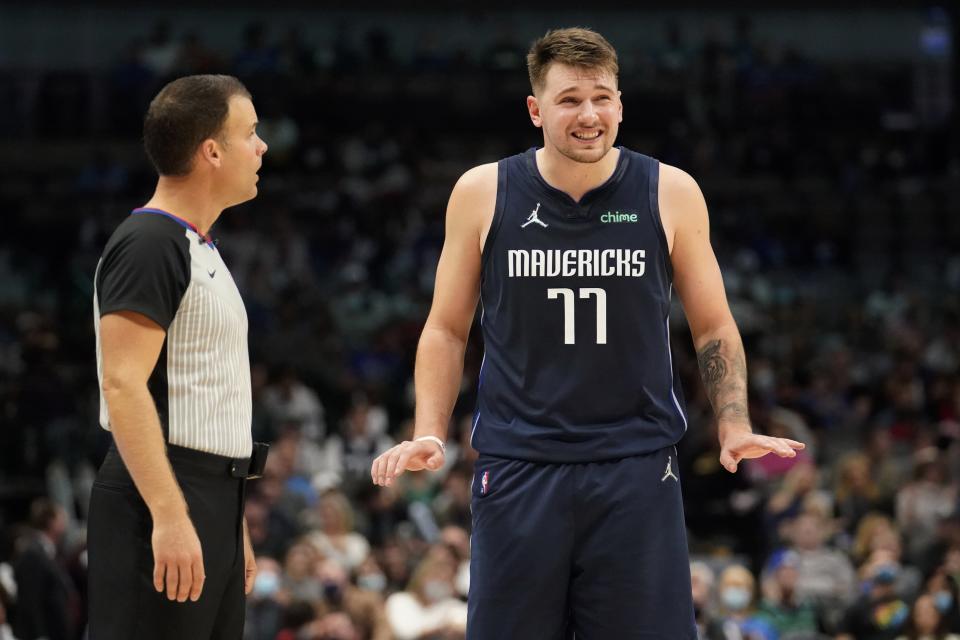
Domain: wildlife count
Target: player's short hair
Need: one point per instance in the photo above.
(574, 46)
(186, 112)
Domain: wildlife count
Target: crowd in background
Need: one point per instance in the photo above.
(829, 190)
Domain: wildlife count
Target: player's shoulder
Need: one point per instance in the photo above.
(473, 198)
(479, 178)
(676, 181)
(681, 202)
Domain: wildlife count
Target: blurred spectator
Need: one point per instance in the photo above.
(943, 588)
(364, 607)
(255, 57)
(194, 57)
(825, 576)
(48, 607)
(349, 455)
(336, 538)
(856, 493)
(290, 400)
(780, 607)
(427, 609)
(871, 526)
(300, 580)
(736, 617)
(452, 505)
(370, 576)
(265, 603)
(799, 492)
(161, 52)
(878, 614)
(926, 622)
(701, 583)
(924, 501)
(333, 626)
(886, 551)
(6, 633)
(458, 541)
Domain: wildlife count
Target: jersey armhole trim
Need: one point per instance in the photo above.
(653, 179)
(497, 217)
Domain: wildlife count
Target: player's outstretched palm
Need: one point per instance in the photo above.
(744, 445)
(406, 456)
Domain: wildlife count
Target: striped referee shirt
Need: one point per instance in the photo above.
(160, 266)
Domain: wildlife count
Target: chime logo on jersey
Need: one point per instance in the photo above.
(619, 216)
(484, 483)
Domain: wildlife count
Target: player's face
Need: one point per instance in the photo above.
(242, 152)
(579, 111)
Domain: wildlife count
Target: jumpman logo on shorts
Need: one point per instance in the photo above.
(669, 471)
(534, 218)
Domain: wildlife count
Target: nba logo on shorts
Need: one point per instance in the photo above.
(484, 482)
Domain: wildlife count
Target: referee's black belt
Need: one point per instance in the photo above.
(246, 468)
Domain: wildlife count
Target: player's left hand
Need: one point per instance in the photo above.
(741, 444)
(249, 561)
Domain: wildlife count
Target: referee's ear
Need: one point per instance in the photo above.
(210, 153)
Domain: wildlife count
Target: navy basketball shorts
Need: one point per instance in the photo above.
(592, 551)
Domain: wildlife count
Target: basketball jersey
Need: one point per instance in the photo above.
(575, 306)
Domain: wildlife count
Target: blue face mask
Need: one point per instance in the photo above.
(886, 574)
(943, 600)
(266, 584)
(735, 598)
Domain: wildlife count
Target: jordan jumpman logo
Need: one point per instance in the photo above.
(669, 472)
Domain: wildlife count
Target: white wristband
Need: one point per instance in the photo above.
(440, 443)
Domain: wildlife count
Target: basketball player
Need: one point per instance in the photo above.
(169, 552)
(575, 249)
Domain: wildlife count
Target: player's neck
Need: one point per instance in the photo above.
(188, 199)
(572, 177)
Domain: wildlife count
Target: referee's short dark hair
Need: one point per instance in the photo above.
(186, 112)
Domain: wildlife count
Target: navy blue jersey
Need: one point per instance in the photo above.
(576, 299)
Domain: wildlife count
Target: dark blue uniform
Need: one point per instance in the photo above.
(578, 518)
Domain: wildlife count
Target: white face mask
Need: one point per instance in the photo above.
(437, 590)
(266, 584)
(372, 582)
(735, 598)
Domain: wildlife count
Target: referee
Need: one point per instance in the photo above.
(169, 552)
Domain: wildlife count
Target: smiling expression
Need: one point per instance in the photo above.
(579, 110)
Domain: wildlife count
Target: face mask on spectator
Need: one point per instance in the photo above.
(886, 573)
(943, 600)
(266, 584)
(437, 590)
(735, 598)
(372, 582)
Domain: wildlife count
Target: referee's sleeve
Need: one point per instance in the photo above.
(146, 273)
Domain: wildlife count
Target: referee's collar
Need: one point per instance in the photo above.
(205, 237)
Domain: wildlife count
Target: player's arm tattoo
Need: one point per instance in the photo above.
(723, 368)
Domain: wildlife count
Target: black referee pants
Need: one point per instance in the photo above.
(123, 603)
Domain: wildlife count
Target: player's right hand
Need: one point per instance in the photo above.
(407, 456)
(177, 559)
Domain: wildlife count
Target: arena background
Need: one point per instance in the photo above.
(823, 135)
